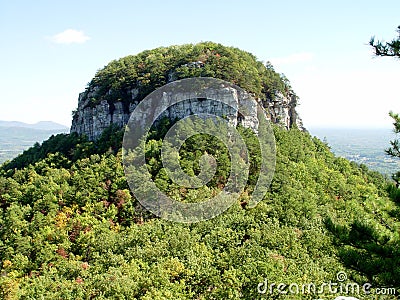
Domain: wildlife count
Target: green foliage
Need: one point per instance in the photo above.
(65, 144)
(66, 148)
(73, 230)
(386, 49)
(394, 193)
(391, 49)
(151, 69)
(394, 149)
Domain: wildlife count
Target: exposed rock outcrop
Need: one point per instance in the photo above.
(282, 110)
(118, 88)
(92, 120)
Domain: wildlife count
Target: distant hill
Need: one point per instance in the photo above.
(42, 125)
(16, 137)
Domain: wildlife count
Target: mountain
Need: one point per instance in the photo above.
(116, 89)
(71, 227)
(15, 137)
(13, 124)
(42, 125)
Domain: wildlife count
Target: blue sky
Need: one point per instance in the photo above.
(50, 50)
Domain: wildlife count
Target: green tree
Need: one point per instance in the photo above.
(394, 149)
(391, 48)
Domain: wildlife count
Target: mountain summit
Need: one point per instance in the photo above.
(114, 92)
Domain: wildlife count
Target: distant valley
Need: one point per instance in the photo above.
(364, 146)
(15, 137)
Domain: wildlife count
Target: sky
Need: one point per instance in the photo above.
(50, 50)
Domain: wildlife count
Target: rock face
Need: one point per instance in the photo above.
(282, 110)
(92, 120)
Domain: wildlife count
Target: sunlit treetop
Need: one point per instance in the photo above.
(151, 69)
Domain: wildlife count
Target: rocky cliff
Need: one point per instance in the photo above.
(91, 121)
(116, 90)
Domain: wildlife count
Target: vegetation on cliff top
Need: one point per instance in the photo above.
(151, 69)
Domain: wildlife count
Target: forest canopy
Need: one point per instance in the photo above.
(70, 228)
(151, 69)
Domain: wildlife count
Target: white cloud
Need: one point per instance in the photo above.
(70, 36)
(292, 58)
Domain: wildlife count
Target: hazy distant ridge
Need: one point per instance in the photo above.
(16, 137)
(42, 125)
